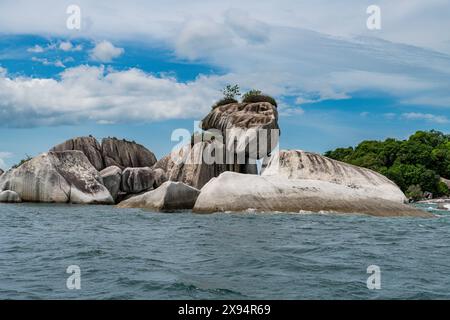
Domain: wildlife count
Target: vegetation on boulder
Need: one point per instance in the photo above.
(419, 161)
(257, 96)
(27, 158)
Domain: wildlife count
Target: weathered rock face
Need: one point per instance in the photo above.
(170, 196)
(88, 145)
(60, 177)
(160, 177)
(126, 154)
(112, 180)
(136, 180)
(10, 197)
(297, 164)
(245, 122)
(187, 165)
(240, 192)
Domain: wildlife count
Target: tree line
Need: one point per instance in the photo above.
(415, 164)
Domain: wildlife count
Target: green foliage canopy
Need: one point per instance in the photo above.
(417, 162)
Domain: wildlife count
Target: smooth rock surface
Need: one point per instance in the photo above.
(126, 154)
(112, 180)
(59, 177)
(187, 165)
(9, 197)
(88, 145)
(298, 164)
(136, 180)
(170, 196)
(239, 192)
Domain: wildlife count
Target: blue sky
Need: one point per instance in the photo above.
(140, 69)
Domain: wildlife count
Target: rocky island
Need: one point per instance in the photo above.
(123, 173)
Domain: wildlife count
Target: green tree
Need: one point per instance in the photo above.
(231, 92)
(414, 192)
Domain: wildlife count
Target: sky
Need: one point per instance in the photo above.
(141, 69)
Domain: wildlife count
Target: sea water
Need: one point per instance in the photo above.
(136, 254)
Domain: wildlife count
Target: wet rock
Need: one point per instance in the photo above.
(170, 196)
(9, 197)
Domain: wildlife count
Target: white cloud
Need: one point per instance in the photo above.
(88, 93)
(4, 155)
(36, 49)
(46, 62)
(105, 51)
(426, 116)
(68, 46)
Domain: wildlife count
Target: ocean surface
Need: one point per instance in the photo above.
(134, 254)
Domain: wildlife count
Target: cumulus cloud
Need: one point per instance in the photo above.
(103, 95)
(105, 51)
(426, 116)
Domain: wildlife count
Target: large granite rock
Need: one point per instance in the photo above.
(235, 192)
(60, 177)
(187, 165)
(136, 180)
(243, 125)
(126, 154)
(88, 145)
(160, 177)
(112, 180)
(10, 197)
(298, 164)
(170, 196)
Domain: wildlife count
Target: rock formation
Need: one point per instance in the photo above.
(245, 122)
(88, 145)
(240, 192)
(112, 180)
(136, 180)
(170, 196)
(1, 172)
(126, 154)
(298, 164)
(112, 152)
(160, 177)
(60, 177)
(187, 165)
(10, 197)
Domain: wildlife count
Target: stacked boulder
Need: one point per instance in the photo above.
(81, 170)
(57, 176)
